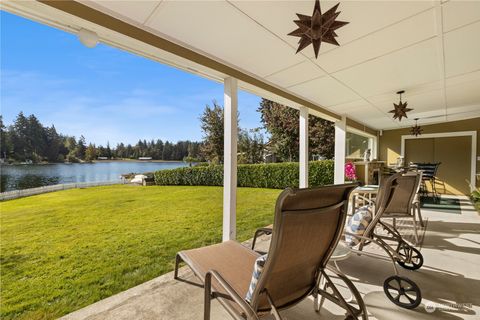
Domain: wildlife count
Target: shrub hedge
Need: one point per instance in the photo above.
(271, 175)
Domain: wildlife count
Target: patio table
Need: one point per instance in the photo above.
(367, 191)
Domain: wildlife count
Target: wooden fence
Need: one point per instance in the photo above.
(9, 195)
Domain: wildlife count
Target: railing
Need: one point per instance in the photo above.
(9, 195)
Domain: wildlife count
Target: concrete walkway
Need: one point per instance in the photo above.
(450, 275)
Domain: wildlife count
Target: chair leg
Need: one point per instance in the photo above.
(177, 262)
(207, 297)
(415, 229)
(420, 216)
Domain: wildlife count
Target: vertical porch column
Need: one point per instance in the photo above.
(373, 146)
(230, 158)
(303, 159)
(340, 146)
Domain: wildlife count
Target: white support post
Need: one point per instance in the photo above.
(340, 146)
(303, 159)
(373, 146)
(230, 159)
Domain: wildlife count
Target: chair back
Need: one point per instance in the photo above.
(402, 194)
(307, 227)
(429, 169)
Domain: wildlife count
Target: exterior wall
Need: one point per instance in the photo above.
(390, 140)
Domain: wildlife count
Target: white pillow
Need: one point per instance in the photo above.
(257, 270)
(357, 224)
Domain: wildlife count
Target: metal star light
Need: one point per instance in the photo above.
(317, 28)
(400, 110)
(416, 130)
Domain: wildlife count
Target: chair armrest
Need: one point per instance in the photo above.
(259, 232)
(247, 308)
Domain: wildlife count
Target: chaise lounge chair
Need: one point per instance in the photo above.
(308, 224)
(395, 197)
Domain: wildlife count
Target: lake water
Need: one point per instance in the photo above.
(15, 177)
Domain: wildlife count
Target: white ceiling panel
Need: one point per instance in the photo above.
(420, 102)
(464, 94)
(343, 108)
(466, 77)
(402, 69)
(462, 50)
(326, 91)
(463, 115)
(298, 73)
(460, 13)
(419, 89)
(137, 11)
(397, 36)
(362, 112)
(227, 34)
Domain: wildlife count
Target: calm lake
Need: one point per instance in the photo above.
(15, 177)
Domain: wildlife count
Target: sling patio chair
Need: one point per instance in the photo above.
(308, 225)
(404, 201)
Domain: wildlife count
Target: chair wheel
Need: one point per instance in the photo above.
(402, 291)
(412, 259)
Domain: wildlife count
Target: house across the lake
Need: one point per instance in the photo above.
(145, 158)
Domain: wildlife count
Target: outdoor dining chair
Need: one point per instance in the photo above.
(429, 171)
(308, 224)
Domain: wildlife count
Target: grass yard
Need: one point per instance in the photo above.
(65, 250)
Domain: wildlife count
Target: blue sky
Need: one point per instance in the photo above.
(103, 93)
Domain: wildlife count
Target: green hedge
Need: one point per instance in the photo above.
(271, 175)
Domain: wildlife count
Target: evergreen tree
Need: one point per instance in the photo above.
(81, 148)
(108, 151)
(3, 140)
(211, 123)
(53, 145)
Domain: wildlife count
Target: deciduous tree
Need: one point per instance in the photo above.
(282, 123)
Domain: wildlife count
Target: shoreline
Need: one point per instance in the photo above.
(92, 162)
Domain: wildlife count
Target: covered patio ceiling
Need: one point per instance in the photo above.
(428, 48)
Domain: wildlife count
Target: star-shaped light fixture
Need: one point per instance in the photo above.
(317, 28)
(400, 110)
(416, 130)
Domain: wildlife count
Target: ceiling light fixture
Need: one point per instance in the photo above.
(88, 38)
(317, 28)
(400, 110)
(416, 130)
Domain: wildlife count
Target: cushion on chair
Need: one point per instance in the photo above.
(257, 270)
(357, 224)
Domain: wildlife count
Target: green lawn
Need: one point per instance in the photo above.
(65, 250)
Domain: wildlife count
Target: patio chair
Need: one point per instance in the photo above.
(400, 290)
(404, 202)
(396, 195)
(429, 171)
(308, 225)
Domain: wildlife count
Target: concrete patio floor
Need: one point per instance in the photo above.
(450, 275)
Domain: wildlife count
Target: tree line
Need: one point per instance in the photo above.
(28, 140)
